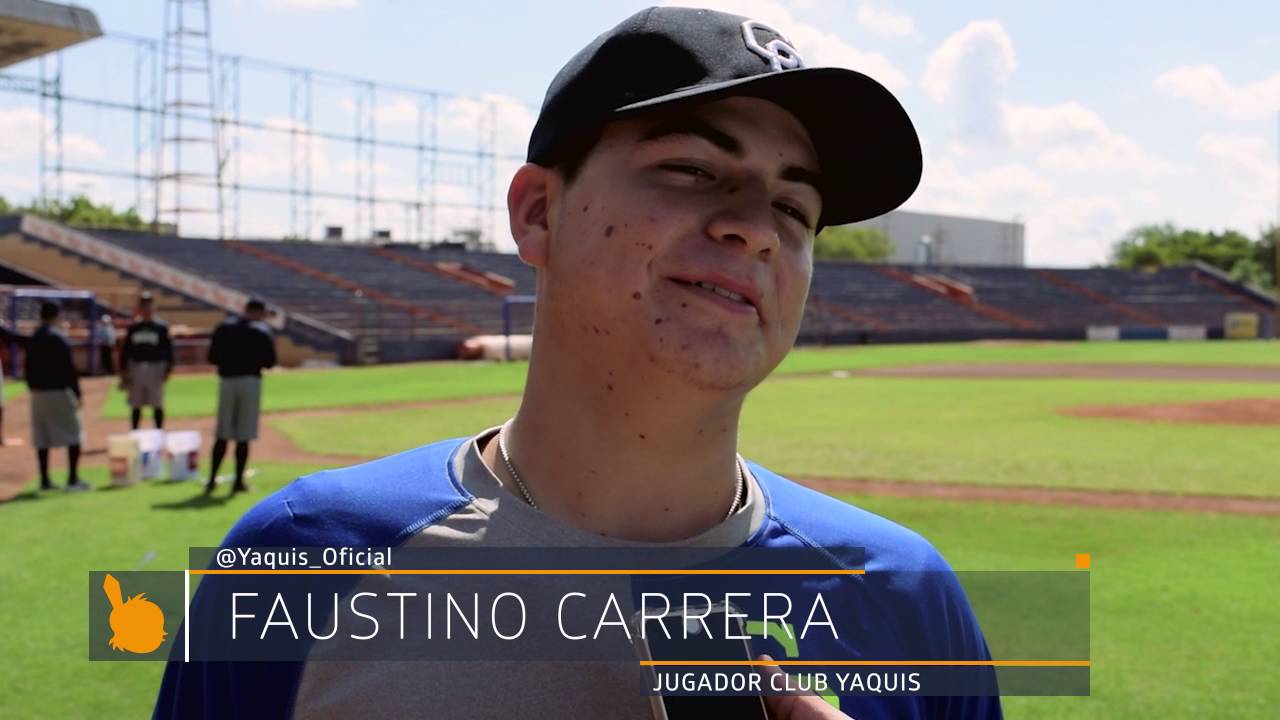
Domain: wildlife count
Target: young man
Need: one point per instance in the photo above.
(678, 172)
(146, 361)
(241, 349)
(55, 397)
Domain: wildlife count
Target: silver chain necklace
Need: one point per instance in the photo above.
(740, 487)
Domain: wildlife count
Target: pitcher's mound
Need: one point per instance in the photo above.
(1243, 411)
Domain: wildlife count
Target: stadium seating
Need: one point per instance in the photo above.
(1032, 297)
(1174, 295)
(892, 303)
(404, 295)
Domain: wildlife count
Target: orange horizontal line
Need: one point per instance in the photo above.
(293, 571)
(885, 663)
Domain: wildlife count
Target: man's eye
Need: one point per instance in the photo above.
(794, 212)
(691, 170)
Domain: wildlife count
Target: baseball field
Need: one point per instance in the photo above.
(1158, 459)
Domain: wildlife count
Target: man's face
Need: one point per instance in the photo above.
(145, 309)
(669, 204)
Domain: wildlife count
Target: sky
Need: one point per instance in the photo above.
(1082, 119)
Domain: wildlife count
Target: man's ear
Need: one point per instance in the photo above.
(529, 208)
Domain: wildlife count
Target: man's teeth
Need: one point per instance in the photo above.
(721, 291)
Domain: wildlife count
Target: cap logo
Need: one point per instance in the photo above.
(777, 52)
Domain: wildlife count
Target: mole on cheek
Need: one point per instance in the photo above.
(635, 295)
(608, 231)
(733, 191)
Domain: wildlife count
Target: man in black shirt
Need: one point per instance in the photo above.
(241, 347)
(8, 341)
(55, 397)
(146, 360)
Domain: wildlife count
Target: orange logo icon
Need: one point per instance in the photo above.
(137, 624)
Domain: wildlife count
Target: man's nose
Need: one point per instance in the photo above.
(746, 218)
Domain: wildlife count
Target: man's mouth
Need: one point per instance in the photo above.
(731, 300)
(722, 292)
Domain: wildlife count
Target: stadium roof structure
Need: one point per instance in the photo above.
(31, 28)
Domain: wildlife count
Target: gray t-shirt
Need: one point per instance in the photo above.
(496, 517)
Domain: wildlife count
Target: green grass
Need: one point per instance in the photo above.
(1257, 352)
(1182, 618)
(1183, 621)
(54, 541)
(997, 432)
(1006, 432)
(13, 389)
(195, 395)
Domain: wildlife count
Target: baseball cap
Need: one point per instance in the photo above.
(866, 144)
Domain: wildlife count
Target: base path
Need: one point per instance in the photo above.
(1107, 371)
(18, 466)
(1109, 499)
(1238, 411)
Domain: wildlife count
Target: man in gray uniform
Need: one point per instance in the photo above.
(241, 348)
(55, 397)
(146, 360)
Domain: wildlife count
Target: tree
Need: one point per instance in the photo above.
(1244, 259)
(80, 211)
(846, 242)
(1264, 256)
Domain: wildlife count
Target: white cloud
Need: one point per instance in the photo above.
(816, 45)
(885, 22)
(1000, 191)
(1245, 156)
(264, 156)
(1205, 85)
(398, 112)
(1073, 138)
(968, 74)
(1246, 165)
(20, 128)
(510, 120)
(1076, 231)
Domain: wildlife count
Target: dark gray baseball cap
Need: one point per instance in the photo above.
(866, 144)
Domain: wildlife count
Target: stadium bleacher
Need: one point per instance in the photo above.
(415, 302)
(1175, 295)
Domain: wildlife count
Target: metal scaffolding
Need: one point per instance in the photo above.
(168, 122)
(187, 59)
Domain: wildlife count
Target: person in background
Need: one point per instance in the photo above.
(146, 360)
(55, 397)
(8, 340)
(105, 338)
(241, 349)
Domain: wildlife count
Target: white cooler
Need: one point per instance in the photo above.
(124, 460)
(151, 453)
(183, 450)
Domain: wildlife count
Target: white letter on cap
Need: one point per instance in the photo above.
(780, 53)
